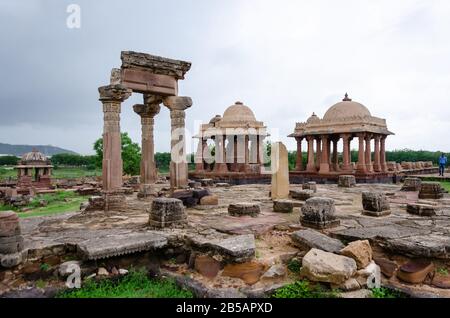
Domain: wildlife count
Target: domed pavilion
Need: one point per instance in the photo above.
(237, 139)
(344, 121)
(34, 169)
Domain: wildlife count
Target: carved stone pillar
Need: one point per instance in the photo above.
(220, 164)
(377, 162)
(361, 165)
(335, 160)
(178, 164)
(149, 173)
(369, 166)
(299, 158)
(346, 160)
(311, 165)
(319, 148)
(111, 97)
(324, 158)
(383, 154)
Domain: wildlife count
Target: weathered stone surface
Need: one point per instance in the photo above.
(96, 203)
(12, 260)
(209, 200)
(426, 246)
(102, 272)
(375, 202)
(274, 272)
(421, 209)
(186, 196)
(67, 268)
(308, 238)
(441, 281)
(207, 182)
(319, 213)
(431, 190)
(117, 245)
(11, 244)
(283, 206)
(239, 248)
(244, 208)
(386, 232)
(347, 181)
(195, 184)
(350, 284)
(166, 212)
(356, 294)
(412, 184)
(200, 193)
(9, 224)
(415, 271)
(387, 267)
(302, 195)
(249, 272)
(327, 267)
(207, 266)
(310, 186)
(360, 251)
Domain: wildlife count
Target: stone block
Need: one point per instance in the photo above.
(320, 266)
(209, 200)
(431, 190)
(415, 271)
(319, 213)
(280, 171)
(360, 251)
(244, 208)
(412, 184)
(421, 209)
(310, 186)
(347, 181)
(307, 239)
(375, 204)
(95, 203)
(207, 182)
(283, 206)
(186, 196)
(166, 212)
(200, 193)
(302, 195)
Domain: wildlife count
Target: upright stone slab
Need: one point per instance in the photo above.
(375, 204)
(280, 171)
(347, 181)
(319, 213)
(431, 190)
(166, 212)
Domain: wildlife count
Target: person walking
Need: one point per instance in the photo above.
(442, 164)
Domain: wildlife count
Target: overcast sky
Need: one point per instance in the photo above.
(284, 59)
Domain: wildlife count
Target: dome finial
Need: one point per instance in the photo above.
(346, 98)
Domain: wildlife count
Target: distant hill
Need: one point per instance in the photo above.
(19, 150)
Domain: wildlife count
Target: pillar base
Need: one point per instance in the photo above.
(146, 191)
(324, 168)
(311, 168)
(361, 168)
(220, 167)
(114, 200)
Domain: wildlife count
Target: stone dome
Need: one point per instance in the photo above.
(313, 119)
(238, 112)
(346, 108)
(34, 156)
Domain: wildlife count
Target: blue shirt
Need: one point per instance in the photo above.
(442, 160)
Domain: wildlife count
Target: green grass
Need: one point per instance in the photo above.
(443, 271)
(134, 285)
(56, 204)
(446, 185)
(384, 292)
(75, 172)
(304, 289)
(294, 265)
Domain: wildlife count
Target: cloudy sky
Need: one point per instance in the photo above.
(284, 59)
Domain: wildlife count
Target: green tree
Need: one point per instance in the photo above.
(8, 160)
(131, 154)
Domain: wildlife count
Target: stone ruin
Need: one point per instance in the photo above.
(167, 212)
(11, 240)
(431, 190)
(375, 204)
(319, 213)
(157, 79)
(411, 184)
(347, 181)
(33, 172)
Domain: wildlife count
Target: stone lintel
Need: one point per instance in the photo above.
(155, 64)
(148, 110)
(114, 93)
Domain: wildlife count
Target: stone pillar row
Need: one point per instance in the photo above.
(324, 162)
(239, 160)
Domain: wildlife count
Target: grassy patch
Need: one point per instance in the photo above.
(59, 202)
(134, 285)
(294, 265)
(446, 185)
(384, 292)
(75, 172)
(443, 271)
(304, 289)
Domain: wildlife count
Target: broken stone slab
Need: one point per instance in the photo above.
(421, 209)
(116, 245)
(321, 266)
(239, 248)
(411, 184)
(441, 281)
(346, 181)
(415, 271)
(308, 238)
(209, 200)
(360, 251)
(186, 196)
(207, 266)
(283, 206)
(319, 213)
(276, 271)
(375, 204)
(382, 232)
(249, 272)
(302, 195)
(387, 267)
(244, 208)
(425, 246)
